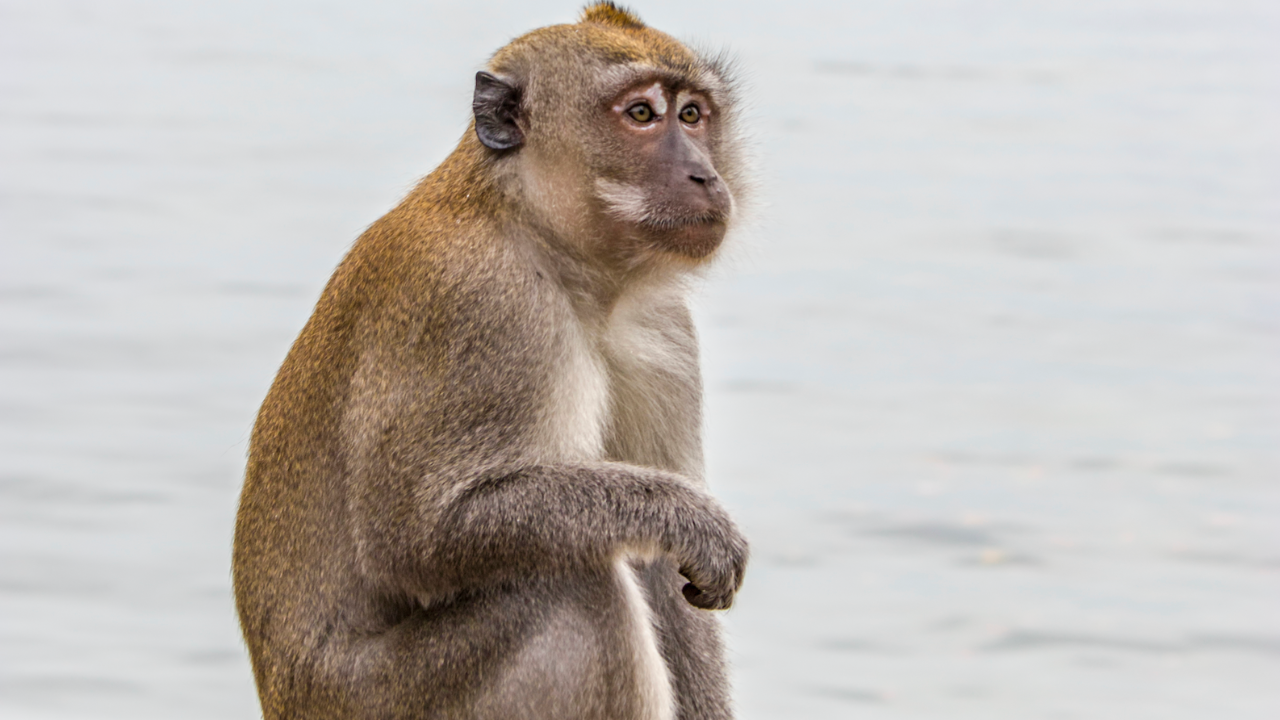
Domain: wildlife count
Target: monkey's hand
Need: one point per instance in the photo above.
(713, 556)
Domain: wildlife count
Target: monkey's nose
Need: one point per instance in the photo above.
(708, 179)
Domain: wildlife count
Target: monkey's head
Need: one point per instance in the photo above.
(614, 136)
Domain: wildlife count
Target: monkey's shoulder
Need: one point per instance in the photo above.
(439, 266)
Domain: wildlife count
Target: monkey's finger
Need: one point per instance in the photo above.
(705, 600)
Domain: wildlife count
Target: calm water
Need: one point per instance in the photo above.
(994, 385)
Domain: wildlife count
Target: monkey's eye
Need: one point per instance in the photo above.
(690, 114)
(641, 113)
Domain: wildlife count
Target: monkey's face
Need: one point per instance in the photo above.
(658, 178)
(617, 138)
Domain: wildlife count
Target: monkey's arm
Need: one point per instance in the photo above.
(436, 533)
(551, 518)
(443, 497)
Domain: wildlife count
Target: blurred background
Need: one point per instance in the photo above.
(993, 383)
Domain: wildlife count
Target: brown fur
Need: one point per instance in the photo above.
(607, 13)
(495, 402)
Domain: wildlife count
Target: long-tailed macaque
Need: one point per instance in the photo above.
(475, 489)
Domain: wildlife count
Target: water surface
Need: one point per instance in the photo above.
(993, 385)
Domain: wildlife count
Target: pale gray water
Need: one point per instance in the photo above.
(995, 389)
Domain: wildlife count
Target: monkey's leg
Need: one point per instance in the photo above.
(690, 643)
(594, 656)
(552, 649)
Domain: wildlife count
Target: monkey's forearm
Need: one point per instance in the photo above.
(554, 518)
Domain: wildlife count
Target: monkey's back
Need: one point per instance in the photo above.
(312, 604)
(301, 590)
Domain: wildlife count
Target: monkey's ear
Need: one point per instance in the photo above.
(496, 105)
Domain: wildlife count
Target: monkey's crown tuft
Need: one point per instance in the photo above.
(609, 13)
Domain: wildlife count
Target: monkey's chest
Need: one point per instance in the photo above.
(632, 395)
(577, 402)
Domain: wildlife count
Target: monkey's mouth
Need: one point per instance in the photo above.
(695, 236)
(677, 223)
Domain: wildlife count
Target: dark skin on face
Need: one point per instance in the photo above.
(667, 132)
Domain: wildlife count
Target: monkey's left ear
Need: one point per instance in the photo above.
(496, 106)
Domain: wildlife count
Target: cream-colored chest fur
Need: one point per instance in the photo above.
(625, 387)
(576, 415)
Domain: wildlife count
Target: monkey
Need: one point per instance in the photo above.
(475, 489)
